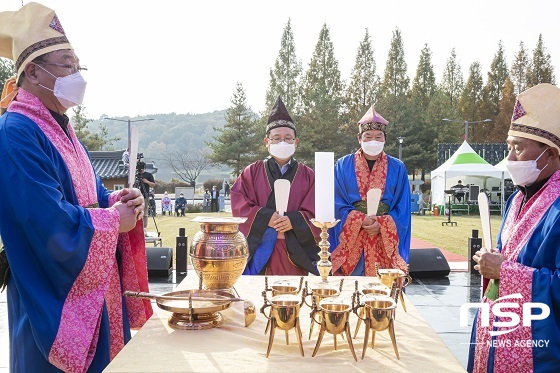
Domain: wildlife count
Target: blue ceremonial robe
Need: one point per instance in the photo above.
(541, 254)
(47, 236)
(396, 195)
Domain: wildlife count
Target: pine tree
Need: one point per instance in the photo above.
(319, 127)
(452, 83)
(492, 92)
(393, 101)
(234, 146)
(471, 97)
(362, 90)
(541, 70)
(424, 84)
(420, 131)
(284, 78)
(92, 141)
(7, 70)
(519, 70)
(505, 108)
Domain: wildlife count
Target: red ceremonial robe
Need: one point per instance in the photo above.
(252, 196)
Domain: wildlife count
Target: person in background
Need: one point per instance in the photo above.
(74, 247)
(278, 245)
(214, 199)
(525, 265)
(206, 201)
(146, 181)
(459, 193)
(226, 189)
(180, 205)
(360, 240)
(166, 205)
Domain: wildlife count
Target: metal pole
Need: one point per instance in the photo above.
(467, 131)
(400, 150)
(129, 135)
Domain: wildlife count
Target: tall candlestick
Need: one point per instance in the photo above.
(324, 187)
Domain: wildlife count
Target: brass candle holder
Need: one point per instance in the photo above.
(324, 265)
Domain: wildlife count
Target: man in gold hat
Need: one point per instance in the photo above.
(74, 247)
(361, 240)
(524, 268)
(278, 245)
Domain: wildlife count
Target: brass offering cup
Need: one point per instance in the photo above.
(395, 275)
(373, 288)
(379, 315)
(219, 252)
(284, 315)
(335, 313)
(319, 291)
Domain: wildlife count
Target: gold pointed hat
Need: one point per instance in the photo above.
(536, 115)
(372, 120)
(29, 32)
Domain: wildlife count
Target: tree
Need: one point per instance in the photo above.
(322, 100)
(519, 72)
(492, 93)
(471, 98)
(393, 101)
(501, 124)
(284, 78)
(7, 70)
(235, 142)
(420, 132)
(188, 164)
(541, 69)
(452, 82)
(92, 141)
(364, 82)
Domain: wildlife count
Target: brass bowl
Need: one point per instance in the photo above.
(219, 252)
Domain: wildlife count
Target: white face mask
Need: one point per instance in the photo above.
(524, 173)
(282, 150)
(372, 147)
(69, 89)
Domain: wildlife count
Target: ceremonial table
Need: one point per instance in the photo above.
(232, 347)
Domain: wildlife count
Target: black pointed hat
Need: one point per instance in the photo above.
(279, 117)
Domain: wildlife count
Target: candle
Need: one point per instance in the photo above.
(324, 187)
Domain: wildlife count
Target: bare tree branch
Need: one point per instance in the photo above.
(188, 165)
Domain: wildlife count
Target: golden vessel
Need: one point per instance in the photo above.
(219, 252)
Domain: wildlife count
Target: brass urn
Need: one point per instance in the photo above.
(219, 251)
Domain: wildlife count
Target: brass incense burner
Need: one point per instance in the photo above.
(219, 251)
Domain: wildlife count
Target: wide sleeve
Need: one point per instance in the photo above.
(397, 197)
(58, 251)
(244, 196)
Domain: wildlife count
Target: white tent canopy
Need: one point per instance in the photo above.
(464, 162)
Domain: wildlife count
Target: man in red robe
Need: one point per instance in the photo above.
(278, 245)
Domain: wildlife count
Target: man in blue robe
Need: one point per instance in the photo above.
(360, 240)
(74, 247)
(524, 271)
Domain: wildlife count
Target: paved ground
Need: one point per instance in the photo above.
(438, 299)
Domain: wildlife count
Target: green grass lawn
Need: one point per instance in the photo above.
(425, 227)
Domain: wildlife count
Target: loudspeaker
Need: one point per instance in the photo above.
(428, 263)
(181, 252)
(474, 191)
(160, 261)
